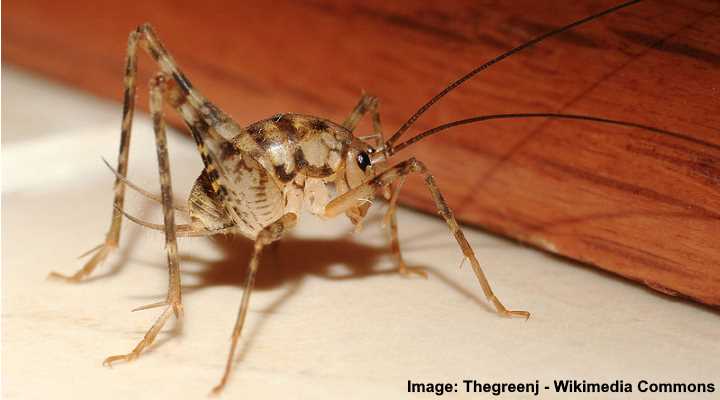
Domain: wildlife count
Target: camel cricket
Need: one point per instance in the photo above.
(257, 179)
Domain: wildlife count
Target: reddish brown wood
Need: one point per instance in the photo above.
(639, 204)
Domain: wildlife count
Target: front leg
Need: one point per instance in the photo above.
(390, 221)
(370, 104)
(173, 301)
(398, 172)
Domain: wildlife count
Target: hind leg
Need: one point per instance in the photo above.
(143, 37)
(113, 236)
(173, 300)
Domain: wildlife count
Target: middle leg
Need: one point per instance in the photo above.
(270, 234)
(366, 104)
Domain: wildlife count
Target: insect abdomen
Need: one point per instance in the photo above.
(205, 209)
(255, 203)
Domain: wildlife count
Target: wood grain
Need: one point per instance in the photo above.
(643, 205)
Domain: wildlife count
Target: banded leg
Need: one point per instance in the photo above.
(173, 301)
(390, 221)
(351, 198)
(144, 37)
(270, 234)
(370, 104)
(112, 238)
(145, 193)
(366, 104)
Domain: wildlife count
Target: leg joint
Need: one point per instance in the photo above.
(159, 80)
(368, 102)
(415, 165)
(144, 28)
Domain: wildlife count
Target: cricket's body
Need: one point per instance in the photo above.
(280, 165)
(256, 180)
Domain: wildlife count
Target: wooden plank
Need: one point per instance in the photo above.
(639, 204)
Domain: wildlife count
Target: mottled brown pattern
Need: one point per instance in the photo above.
(256, 133)
(319, 124)
(306, 168)
(284, 177)
(285, 125)
(228, 150)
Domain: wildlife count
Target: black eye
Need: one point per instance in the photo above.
(363, 160)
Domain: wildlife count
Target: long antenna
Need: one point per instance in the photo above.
(482, 118)
(396, 136)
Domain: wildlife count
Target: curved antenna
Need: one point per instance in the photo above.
(482, 118)
(396, 136)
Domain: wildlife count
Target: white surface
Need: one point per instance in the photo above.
(326, 319)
